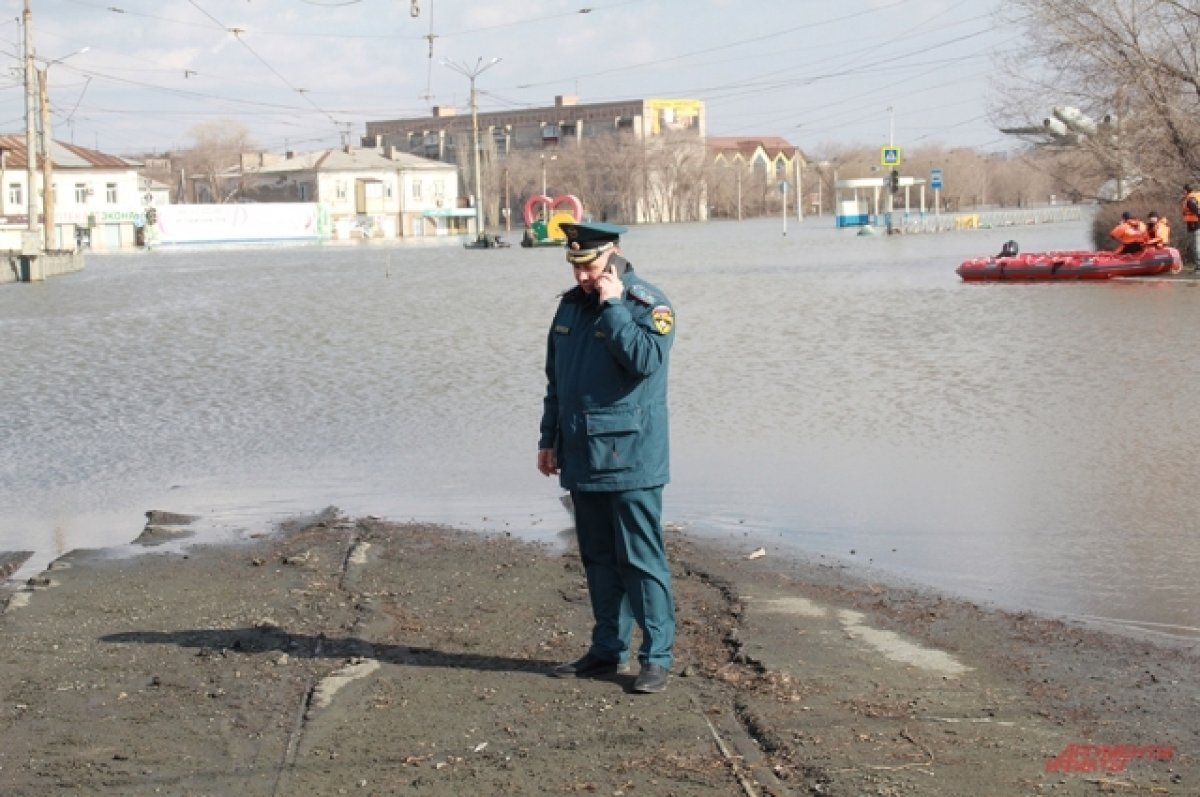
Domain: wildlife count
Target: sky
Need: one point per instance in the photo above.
(135, 76)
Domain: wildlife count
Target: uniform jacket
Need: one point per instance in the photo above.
(605, 411)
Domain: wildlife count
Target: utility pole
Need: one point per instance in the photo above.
(739, 190)
(47, 163)
(799, 186)
(783, 192)
(30, 122)
(507, 203)
(471, 73)
(891, 197)
(43, 75)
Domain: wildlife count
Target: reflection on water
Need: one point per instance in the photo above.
(1032, 445)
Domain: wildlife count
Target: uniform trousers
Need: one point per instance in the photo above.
(625, 560)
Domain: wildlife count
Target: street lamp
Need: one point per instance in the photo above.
(72, 54)
(48, 229)
(472, 72)
(544, 159)
(820, 166)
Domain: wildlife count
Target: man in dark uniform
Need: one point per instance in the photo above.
(604, 433)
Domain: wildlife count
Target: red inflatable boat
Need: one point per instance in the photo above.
(1069, 265)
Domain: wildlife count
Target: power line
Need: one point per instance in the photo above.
(708, 50)
(237, 34)
(855, 58)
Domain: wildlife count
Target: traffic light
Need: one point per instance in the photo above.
(151, 216)
(895, 180)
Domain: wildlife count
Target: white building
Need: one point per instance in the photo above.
(367, 193)
(96, 197)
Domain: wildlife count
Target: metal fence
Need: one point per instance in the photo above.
(917, 222)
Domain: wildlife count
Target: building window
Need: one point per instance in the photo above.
(15, 194)
(527, 137)
(500, 142)
(110, 193)
(439, 189)
(81, 193)
(416, 189)
(340, 190)
(304, 195)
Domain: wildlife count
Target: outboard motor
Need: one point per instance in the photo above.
(1009, 249)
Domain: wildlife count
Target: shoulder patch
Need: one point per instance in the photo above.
(640, 294)
(663, 318)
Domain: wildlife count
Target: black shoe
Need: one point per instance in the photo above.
(651, 680)
(590, 666)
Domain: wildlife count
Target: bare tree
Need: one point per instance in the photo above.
(616, 177)
(674, 178)
(722, 180)
(605, 173)
(218, 148)
(611, 177)
(971, 179)
(1132, 64)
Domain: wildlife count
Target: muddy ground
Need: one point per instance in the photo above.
(357, 656)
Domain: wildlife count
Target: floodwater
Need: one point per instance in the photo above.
(1032, 446)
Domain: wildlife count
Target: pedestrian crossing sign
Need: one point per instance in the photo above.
(889, 156)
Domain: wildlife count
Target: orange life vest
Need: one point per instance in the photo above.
(1131, 234)
(1189, 216)
(1159, 232)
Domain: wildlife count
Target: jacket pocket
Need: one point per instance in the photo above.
(612, 441)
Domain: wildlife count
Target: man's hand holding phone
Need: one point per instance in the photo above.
(608, 284)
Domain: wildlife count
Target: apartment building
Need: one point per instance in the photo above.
(446, 135)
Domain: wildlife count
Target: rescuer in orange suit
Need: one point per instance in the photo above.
(1190, 211)
(1131, 234)
(1159, 230)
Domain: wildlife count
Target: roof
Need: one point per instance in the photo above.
(771, 145)
(329, 160)
(62, 156)
(149, 184)
(570, 109)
